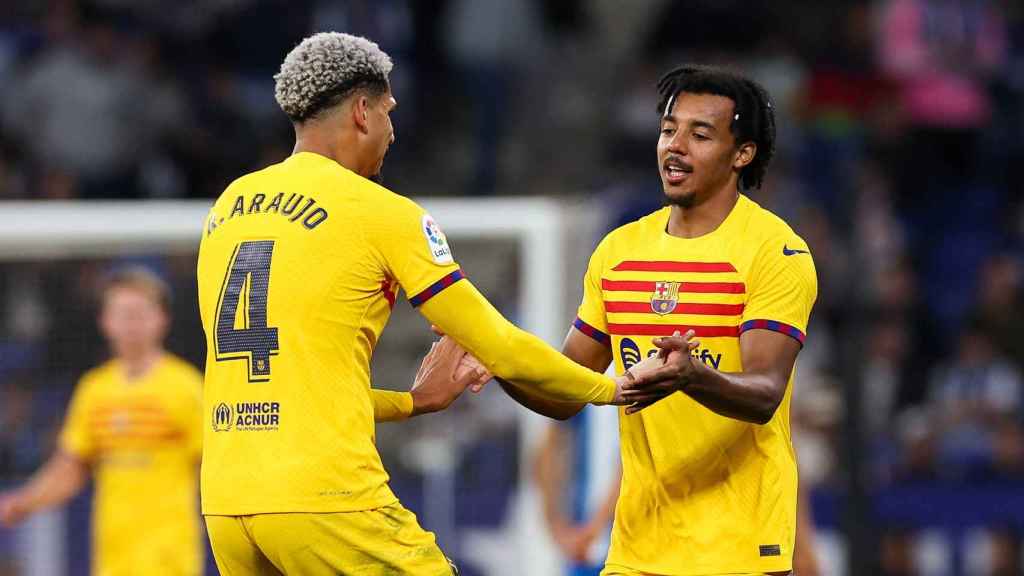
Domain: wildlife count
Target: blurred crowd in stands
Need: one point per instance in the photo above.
(899, 136)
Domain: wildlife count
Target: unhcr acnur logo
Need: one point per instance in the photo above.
(222, 418)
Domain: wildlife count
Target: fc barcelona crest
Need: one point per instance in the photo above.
(665, 297)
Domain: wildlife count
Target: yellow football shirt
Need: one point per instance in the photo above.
(143, 439)
(299, 267)
(701, 493)
(296, 283)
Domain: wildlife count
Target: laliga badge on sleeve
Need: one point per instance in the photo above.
(436, 241)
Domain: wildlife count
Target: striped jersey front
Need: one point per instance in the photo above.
(701, 493)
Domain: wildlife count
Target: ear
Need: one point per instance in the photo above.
(744, 155)
(361, 113)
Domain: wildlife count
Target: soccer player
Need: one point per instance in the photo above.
(299, 267)
(134, 425)
(709, 476)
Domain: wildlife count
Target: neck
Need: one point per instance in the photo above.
(705, 217)
(139, 364)
(342, 150)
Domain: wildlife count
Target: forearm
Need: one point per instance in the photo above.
(390, 406)
(549, 474)
(510, 353)
(58, 481)
(749, 397)
(542, 406)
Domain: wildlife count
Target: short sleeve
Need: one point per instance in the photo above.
(782, 287)
(590, 318)
(413, 250)
(75, 436)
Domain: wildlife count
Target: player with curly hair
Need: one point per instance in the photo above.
(299, 267)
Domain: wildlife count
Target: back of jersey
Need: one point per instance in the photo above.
(293, 298)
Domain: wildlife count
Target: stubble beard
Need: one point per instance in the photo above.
(685, 201)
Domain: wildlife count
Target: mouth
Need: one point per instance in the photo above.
(676, 171)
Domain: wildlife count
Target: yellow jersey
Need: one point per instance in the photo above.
(701, 493)
(299, 267)
(143, 439)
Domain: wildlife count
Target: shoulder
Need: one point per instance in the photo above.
(180, 381)
(238, 187)
(392, 214)
(247, 181)
(395, 203)
(631, 233)
(776, 249)
(182, 370)
(640, 227)
(769, 236)
(765, 225)
(96, 377)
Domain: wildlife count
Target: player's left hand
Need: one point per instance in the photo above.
(469, 362)
(442, 377)
(659, 376)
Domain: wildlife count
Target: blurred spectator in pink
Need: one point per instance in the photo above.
(941, 52)
(941, 56)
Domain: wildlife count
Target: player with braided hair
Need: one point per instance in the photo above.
(715, 292)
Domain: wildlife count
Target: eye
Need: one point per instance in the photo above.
(668, 131)
(699, 136)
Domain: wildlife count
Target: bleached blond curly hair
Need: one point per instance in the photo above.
(326, 68)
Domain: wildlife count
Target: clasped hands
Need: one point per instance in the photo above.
(448, 370)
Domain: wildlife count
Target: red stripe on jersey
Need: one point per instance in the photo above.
(668, 266)
(390, 294)
(668, 329)
(681, 308)
(692, 287)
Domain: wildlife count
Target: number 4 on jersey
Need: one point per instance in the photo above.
(246, 285)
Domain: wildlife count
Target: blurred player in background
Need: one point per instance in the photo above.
(299, 267)
(709, 475)
(134, 424)
(577, 463)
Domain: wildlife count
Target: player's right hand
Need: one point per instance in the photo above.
(12, 509)
(656, 376)
(470, 363)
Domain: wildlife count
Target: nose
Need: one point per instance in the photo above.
(677, 144)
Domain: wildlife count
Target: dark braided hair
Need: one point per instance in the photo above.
(756, 122)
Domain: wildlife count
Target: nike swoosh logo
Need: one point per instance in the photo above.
(787, 252)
